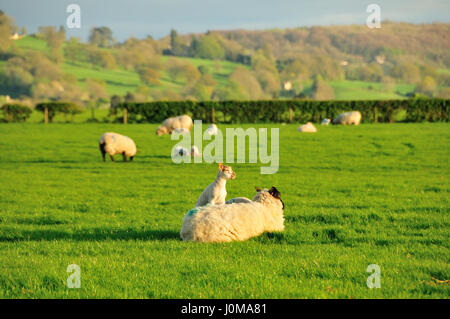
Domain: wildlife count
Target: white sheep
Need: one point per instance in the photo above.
(172, 123)
(114, 143)
(216, 192)
(307, 128)
(180, 151)
(325, 121)
(225, 223)
(348, 118)
(212, 129)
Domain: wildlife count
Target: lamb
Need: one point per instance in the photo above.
(226, 223)
(348, 118)
(212, 129)
(173, 123)
(216, 192)
(114, 143)
(325, 121)
(307, 128)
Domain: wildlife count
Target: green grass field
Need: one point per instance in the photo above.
(373, 194)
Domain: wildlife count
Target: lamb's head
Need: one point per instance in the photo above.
(226, 172)
(162, 130)
(269, 197)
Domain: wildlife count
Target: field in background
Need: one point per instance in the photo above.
(121, 81)
(354, 196)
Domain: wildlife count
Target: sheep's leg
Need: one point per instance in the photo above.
(111, 157)
(124, 157)
(131, 158)
(102, 150)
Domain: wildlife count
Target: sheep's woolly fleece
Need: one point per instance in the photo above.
(348, 118)
(181, 123)
(307, 128)
(118, 144)
(230, 222)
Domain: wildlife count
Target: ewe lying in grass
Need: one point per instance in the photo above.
(239, 221)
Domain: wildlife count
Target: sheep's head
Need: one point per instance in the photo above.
(226, 172)
(268, 196)
(162, 130)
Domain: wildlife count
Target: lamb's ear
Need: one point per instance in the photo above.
(274, 192)
(221, 166)
(257, 189)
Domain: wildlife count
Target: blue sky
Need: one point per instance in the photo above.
(140, 18)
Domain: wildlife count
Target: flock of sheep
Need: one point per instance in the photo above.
(213, 219)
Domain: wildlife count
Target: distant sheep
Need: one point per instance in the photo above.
(180, 151)
(212, 129)
(325, 122)
(226, 223)
(173, 123)
(348, 118)
(307, 128)
(113, 143)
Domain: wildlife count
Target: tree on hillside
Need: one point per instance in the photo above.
(209, 47)
(101, 36)
(178, 69)
(246, 79)
(7, 27)
(232, 91)
(101, 58)
(321, 90)
(427, 87)
(149, 75)
(97, 94)
(74, 50)
(55, 39)
(177, 46)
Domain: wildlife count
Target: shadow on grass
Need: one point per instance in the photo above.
(93, 234)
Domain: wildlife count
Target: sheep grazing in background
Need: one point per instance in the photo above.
(238, 200)
(180, 151)
(195, 151)
(216, 192)
(212, 129)
(113, 143)
(225, 223)
(325, 122)
(173, 123)
(348, 118)
(307, 128)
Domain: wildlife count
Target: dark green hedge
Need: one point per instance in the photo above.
(15, 112)
(412, 110)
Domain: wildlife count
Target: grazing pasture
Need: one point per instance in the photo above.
(354, 196)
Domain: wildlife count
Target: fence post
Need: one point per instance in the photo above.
(45, 115)
(375, 115)
(213, 115)
(291, 115)
(125, 115)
